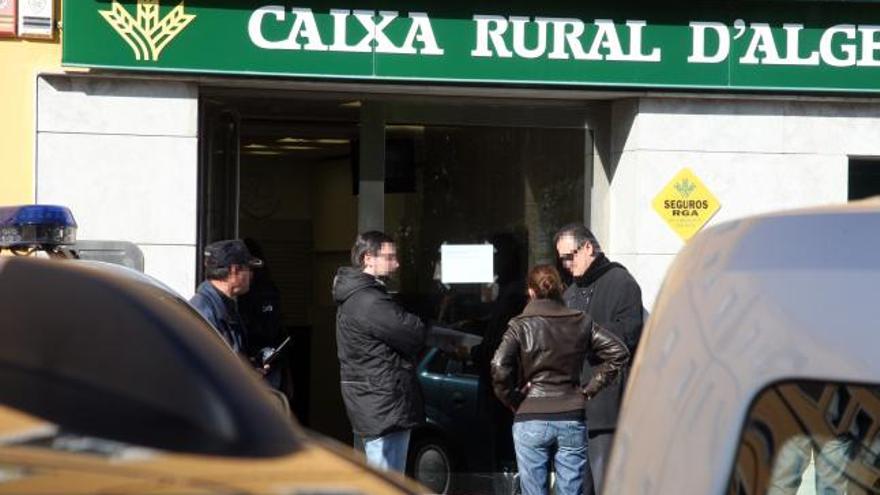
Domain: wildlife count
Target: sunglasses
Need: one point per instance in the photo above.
(569, 256)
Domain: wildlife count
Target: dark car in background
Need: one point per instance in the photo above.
(463, 447)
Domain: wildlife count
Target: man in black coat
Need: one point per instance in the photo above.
(260, 309)
(378, 344)
(607, 292)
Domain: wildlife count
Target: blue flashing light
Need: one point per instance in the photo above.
(36, 226)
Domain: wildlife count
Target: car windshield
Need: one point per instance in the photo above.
(810, 437)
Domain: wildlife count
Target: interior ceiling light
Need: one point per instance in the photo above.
(263, 152)
(255, 146)
(292, 140)
(350, 104)
(298, 147)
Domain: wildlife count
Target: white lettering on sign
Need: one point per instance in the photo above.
(519, 37)
(563, 36)
(720, 33)
(838, 45)
(566, 34)
(491, 28)
(826, 49)
(274, 27)
(304, 33)
(870, 45)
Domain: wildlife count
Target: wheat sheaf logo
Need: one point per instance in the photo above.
(147, 34)
(685, 188)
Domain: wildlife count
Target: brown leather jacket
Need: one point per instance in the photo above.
(537, 366)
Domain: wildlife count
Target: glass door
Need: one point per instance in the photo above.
(493, 181)
(218, 176)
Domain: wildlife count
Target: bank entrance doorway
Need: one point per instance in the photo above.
(300, 177)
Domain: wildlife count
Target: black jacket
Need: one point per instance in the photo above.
(378, 344)
(613, 298)
(537, 367)
(260, 310)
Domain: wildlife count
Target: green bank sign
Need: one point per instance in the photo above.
(798, 46)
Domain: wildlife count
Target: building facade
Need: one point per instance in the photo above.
(172, 124)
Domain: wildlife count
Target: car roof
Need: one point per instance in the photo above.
(749, 303)
(97, 350)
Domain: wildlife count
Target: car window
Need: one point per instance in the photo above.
(461, 367)
(810, 437)
(443, 363)
(437, 364)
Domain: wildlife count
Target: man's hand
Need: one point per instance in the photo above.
(588, 392)
(522, 393)
(262, 369)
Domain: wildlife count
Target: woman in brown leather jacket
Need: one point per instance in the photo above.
(536, 373)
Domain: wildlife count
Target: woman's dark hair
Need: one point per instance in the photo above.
(369, 242)
(545, 282)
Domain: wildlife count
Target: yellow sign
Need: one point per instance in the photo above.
(146, 34)
(686, 204)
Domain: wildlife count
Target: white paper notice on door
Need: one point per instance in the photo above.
(467, 264)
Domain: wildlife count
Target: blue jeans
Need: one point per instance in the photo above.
(387, 452)
(535, 441)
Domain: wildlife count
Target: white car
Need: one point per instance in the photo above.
(759, 369)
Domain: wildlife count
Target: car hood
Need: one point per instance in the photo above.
(39, 459)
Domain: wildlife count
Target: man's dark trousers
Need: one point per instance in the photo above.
(599, 450)
(613, 298)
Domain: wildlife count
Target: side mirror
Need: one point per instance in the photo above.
(117, 252)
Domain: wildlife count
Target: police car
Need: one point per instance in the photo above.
(30, 229)
(758, 370)
(110, 383)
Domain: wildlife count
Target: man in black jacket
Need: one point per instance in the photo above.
(260, 309)
(378, 344)
(607, 292)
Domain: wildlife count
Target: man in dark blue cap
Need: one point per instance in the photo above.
(228, 270)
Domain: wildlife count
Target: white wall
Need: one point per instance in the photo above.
(122, 154)
(754, 156)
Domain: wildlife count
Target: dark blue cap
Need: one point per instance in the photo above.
(223, 254)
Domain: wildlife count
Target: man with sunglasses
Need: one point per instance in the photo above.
(607, 292)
